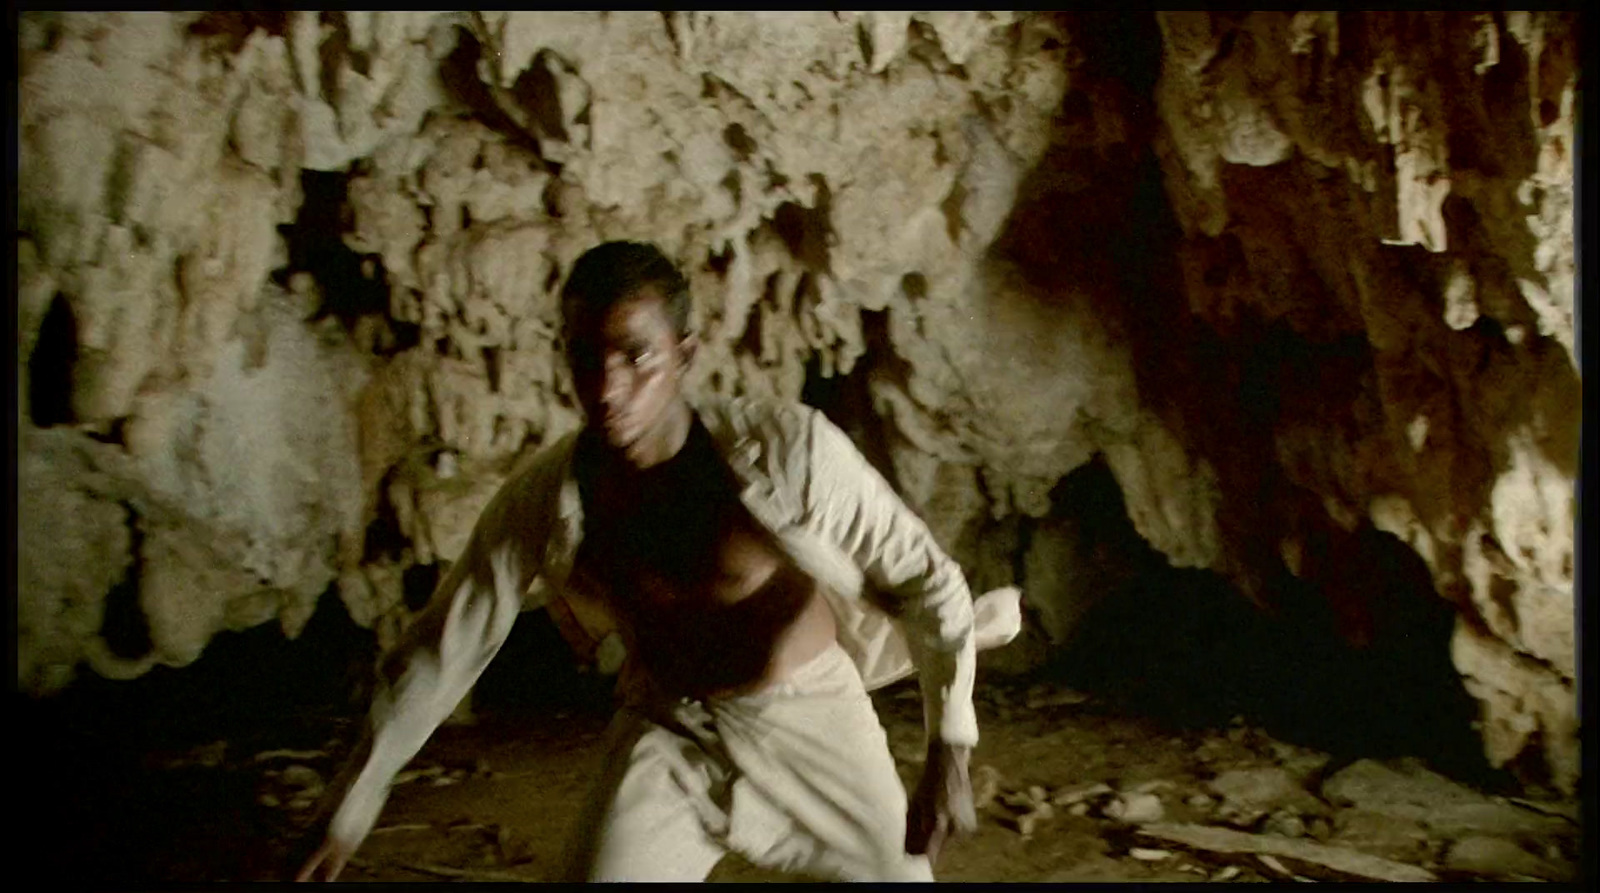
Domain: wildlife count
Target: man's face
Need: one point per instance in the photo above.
(627, 365)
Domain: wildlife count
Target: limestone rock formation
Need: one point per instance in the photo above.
(287, 293)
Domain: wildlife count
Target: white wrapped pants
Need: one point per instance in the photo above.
(797, 778)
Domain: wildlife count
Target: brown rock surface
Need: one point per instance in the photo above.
(287, 281)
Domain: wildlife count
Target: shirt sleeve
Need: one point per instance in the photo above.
(915, 581)
(448, 646)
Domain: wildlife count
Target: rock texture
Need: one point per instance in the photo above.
(287, 295)
(1382, 204)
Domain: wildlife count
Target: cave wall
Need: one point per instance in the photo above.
(287, 296)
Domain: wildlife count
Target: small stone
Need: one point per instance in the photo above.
(1228, 872)
(210, 755)
(1078, 809)
(1201, 801)
(446, 467)
(1272, 863)
(1285, 824)
(411, 775)
(443, 780)
(1144, 855)
(269, 800)
(1136, 809)
(985, 785)
(301, 776)
(1070, 796)
(266, 755)
(1498, 857)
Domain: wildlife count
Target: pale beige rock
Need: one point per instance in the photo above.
(1446, 807)
(1265, 790)
(1501, 858)
(808, 169)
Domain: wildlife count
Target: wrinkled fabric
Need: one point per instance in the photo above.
(902, 604)
(797, 778)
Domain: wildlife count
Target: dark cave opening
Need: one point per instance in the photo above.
(535, 672)
(1184, 647)
(352, 285)
(124, 626)
(847, 399)
(100, 751)
(55, 352)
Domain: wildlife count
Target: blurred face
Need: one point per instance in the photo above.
(627, 366)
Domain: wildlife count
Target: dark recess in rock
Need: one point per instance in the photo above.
(55, 352)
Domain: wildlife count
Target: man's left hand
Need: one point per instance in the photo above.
(942, 805)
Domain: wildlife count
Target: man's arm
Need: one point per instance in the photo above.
(440, 655)
(851, 503)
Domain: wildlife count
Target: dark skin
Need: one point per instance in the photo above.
(714, 607)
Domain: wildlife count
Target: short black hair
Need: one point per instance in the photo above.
(615, 271)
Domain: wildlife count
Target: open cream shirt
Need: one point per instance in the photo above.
(802, 478)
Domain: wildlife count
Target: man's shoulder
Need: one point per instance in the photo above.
(543, 465)
(768, 419)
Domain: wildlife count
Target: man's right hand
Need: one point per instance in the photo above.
(326, 863)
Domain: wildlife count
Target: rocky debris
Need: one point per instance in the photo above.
(1350, 862)
(985, 785)
(1041, 696)
(833, 183)
(405, 827)
(296, 787)
(208, 756)
(1374, 821)
(287, 754)
(1381, 834)
(1408, 791)
(475, 875)
(1072, 796)
(1284, 823)
(1135, 808)
(1026, 809)
(1500, 858)
(1248, 795)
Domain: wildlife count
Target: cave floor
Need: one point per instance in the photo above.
(492, 801)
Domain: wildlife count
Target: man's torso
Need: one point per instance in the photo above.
(707, 601)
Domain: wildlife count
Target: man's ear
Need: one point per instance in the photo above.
(687, 347)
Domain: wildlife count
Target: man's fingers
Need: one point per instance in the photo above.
(324, 865)
(925, 831)
(965, 816)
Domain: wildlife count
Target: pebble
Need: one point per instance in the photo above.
(1070, 796)
(1144, 855)
(1136, 809)
(985, 785)
(1272, 863)
(1285, 824)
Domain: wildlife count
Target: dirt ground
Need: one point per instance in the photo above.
(492, 801)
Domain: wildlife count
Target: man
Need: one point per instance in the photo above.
(730, 545)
